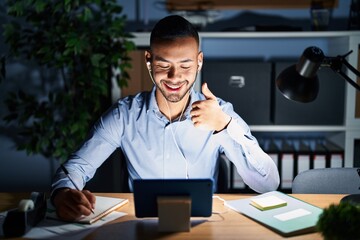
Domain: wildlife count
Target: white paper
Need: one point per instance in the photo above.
(292, 214)
(54, 229)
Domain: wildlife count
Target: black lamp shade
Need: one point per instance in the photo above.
(299, 82)
(296, 87)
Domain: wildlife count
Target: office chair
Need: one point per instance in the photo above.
(328, 181)
(111, 176)
(123, 185)
(223, 175)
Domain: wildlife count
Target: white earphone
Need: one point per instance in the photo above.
(148, 64)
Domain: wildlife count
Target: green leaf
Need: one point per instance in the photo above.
(40, 5)
(96, 58)
(87, 15)
(17, 9)
(9, 30)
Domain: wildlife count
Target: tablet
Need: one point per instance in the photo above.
(146, 192)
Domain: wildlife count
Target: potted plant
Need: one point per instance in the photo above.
(77, 45)
(340, 222)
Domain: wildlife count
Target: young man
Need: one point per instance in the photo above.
(170, 132)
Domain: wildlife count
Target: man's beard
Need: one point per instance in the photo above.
(172, 97)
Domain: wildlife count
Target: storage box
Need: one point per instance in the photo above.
(247, 85)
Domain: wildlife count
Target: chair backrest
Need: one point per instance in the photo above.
(328, 181)
(112, 175)
(223, 175)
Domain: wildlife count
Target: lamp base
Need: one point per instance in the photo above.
(352, 198)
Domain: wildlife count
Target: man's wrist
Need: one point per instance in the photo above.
(226, 125)
(55, 192)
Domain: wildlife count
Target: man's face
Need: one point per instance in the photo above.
(174, 67)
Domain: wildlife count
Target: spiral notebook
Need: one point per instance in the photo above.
(103, 206)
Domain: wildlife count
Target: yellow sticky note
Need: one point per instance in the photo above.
(269, 202)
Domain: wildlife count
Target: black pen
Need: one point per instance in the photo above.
(71, 180)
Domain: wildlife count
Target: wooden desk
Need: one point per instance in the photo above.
(226, 225)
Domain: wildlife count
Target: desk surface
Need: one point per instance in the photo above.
(225, 225)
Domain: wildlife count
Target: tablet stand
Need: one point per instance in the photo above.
(174, 213)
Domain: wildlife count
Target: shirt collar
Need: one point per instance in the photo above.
(194, 96)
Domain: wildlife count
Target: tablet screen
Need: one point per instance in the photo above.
(146, 192)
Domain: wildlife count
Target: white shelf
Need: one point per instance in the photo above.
(295, 128)
(143, 37)
(310, 34)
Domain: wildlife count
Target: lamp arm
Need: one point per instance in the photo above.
(336, 63)
(354, 70)
(349, 80)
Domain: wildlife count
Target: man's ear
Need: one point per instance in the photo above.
(200, 60)
(148, 59)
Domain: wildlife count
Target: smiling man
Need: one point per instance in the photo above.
(170, 132)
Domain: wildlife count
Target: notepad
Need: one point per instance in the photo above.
(296, 217)
(268, 202)
(103, 206)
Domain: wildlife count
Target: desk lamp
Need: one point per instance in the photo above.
(300, 83)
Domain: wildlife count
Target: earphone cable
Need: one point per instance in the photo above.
(173, 135)
(171, 127)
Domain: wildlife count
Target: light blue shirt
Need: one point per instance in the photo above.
(154, 147)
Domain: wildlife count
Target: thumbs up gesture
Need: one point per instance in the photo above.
(207, 114)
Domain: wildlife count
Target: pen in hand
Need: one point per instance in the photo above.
(71, 180)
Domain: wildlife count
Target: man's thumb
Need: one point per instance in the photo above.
(207, 93)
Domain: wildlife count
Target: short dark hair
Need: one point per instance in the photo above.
(171, 28)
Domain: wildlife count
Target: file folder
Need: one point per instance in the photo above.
(303, 157)
(335, 154)
(287, 164)
(273, 151)
(319, 155)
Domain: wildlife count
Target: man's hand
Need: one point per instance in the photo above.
(207, 114)
(71, 204)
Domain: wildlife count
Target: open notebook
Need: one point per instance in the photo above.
(103, 206)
